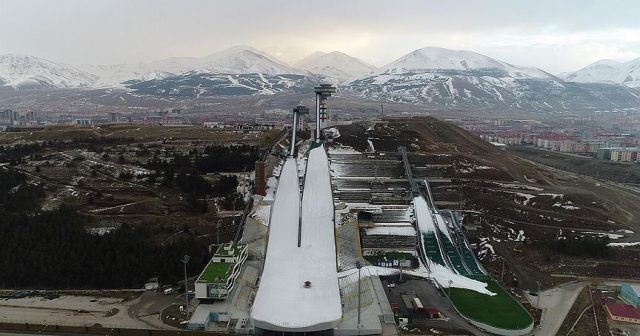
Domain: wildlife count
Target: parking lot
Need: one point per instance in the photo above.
(430, 297)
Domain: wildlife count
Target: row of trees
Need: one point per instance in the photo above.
(15, 153)
(16, 195)
(596, 247)
(53, 250)
(212, 159)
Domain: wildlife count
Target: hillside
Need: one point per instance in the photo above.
(503, 196)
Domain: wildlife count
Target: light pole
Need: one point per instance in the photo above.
(359, 267)
(538, 298)
(233, 221)
(450, 282)
(185, 261)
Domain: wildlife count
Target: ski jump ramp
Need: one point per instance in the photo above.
(301, 248)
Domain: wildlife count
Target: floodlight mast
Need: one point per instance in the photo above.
(322, 93)
(185, 261)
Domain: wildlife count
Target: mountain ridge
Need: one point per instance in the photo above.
(608, 71)
(335, 65)
(459, 78)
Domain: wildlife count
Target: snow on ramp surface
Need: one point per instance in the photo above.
(282, 302)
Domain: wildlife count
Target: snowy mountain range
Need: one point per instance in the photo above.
(432, 76)
(28, 72)
(458, 78)
(608, 71)
(22, 72)
(335, 66)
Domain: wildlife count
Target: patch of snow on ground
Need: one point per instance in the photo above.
(261, 213)
(486, 249)
(333, 131)
(624, 244)
(440, 274)
(447, 278)
(483, 167)
(342, 150)
(518, 186)
(565, 206)
(528, 197)
(602, 234)
(391, 231)
(554, 196)
(372, 149)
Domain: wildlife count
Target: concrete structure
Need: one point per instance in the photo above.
(622, 313)
(261, 179)
(630, 294)
(218, 277)
(82, 121)
(322, 92)
(298, 111)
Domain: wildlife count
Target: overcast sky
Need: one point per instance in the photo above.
(555, 35)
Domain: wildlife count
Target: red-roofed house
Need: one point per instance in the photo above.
(623, 313)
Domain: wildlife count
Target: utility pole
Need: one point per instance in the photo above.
(502, 273)
(381, 111)
(359, 267)
(185, 261)
(218, 234)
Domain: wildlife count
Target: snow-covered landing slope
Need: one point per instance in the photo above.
(318, 240)
(279, 277)
(444, 276)
(282, 302)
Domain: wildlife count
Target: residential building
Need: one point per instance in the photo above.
(625, 154)
(622, 313)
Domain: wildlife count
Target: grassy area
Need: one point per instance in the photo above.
(215, 271)
(500, 311)
(622, 172)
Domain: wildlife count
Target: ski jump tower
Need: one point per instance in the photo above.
(322, 92)
(298, 111)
